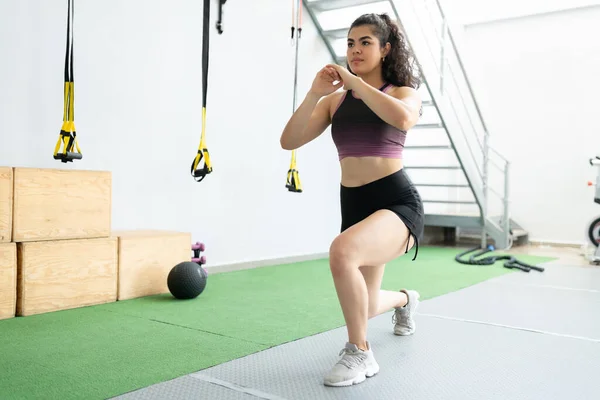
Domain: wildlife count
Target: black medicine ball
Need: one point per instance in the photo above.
(187, 280)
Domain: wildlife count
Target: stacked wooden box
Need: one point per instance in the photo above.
(57, 250)
(8, 251)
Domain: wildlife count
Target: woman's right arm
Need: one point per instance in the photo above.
(307, 123)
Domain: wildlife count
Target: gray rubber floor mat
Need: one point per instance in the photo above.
(445, 359)
(558, 276)
(507, 301)
(470, 344)
(186, 388)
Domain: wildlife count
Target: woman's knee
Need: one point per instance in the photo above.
(342, 255)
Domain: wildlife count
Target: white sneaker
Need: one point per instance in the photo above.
(403, 321)
(354, 367)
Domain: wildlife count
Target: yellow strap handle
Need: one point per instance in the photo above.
(198, 172)
(293, 183)
(68, 134)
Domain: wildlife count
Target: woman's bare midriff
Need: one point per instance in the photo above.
(358, 171)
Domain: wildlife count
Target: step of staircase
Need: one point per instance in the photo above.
(453, 220)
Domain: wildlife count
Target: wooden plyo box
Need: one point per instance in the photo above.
(8, 280)
(145, 259)
(64, 274)
(6, 204)
(54, 204)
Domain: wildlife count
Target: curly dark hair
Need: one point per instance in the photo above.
(400, 66)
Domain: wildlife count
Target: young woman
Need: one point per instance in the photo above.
(382, 212)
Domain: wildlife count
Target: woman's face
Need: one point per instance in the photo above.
(364, 52)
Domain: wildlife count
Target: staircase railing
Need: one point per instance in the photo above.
(447, 81)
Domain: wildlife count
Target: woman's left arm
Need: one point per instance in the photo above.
(398, 107)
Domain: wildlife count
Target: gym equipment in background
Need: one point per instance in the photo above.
(490, 260)
(68, 135)
(293, 183)
(187, 280)
(197, 248)
(594, 227)
(199, 172)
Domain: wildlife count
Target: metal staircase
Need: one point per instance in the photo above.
(463, 181)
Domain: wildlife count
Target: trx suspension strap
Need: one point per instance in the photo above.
(68, 135)
(293, 183)
(200, 172)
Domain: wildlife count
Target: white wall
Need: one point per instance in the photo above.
(138, 82)
(468, 12)
(138, 77)
(537, 81)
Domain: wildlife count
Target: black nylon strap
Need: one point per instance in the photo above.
(69, 75)
(205, 49)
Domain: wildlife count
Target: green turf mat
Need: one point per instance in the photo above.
(102, 351)
(287, 302)
(89, 353)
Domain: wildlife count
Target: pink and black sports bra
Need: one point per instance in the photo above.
(358, 132)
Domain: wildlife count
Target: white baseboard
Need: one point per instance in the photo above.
(555, 243)
(215, 269)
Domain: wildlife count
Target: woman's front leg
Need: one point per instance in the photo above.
(376, 240)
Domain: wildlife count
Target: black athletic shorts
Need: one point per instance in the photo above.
(394, 192)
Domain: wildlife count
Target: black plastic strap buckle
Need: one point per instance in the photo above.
(220, 19)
